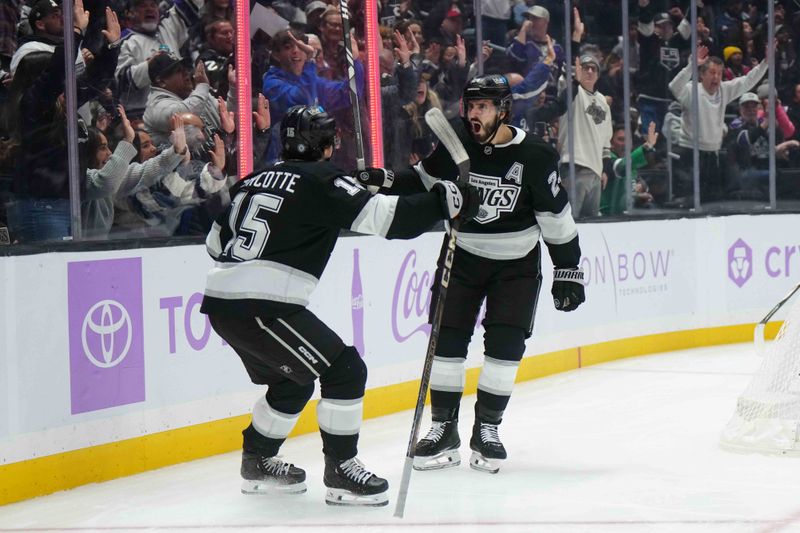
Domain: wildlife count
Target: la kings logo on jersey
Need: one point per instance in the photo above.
(670, 57)
(496, 197)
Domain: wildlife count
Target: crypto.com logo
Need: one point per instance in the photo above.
(740, 262)
(108, 323)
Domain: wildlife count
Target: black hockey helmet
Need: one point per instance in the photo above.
(494, 87)
(305, 133)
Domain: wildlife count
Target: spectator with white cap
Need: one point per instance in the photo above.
(314, 11)
(747, 142)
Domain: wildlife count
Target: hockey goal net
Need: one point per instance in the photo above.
(767, 416)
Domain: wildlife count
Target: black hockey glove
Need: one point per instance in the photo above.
(375, 178)
(568, 288)
(458, 199)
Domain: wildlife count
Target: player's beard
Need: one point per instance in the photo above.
(485, 132)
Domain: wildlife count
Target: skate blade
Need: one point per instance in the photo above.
(445, 459)
(484, 464)
(344, 497)
(268, 487)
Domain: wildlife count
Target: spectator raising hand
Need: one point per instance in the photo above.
(227, 118)
(113, 31)
(200, 75)
(401, 51)
(652, 135)
(578, 28)
(127, 130)
(461, 51)
(80, 17)
(261, 114)
(178, 137)
(217, 155)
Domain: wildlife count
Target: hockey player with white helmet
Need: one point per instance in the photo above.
(497, 259)
(270, 248)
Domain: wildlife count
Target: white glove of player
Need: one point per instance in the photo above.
(458, 199)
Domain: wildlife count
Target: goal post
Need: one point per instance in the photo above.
(767, 415)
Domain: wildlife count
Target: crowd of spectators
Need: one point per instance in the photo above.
(156, 89)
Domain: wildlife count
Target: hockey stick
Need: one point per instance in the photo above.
(758, 334)
(439, 125)
(351, 76)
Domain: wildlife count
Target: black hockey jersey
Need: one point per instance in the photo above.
(276, 237)
(521, 197)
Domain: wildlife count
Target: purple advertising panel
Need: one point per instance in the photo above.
(106, 333)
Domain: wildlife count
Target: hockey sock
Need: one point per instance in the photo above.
(448, 373)
(506, 345)
(274, 416)
(340, 410)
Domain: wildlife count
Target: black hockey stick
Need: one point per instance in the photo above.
(439, 125)
(758, 333)
(351, 76)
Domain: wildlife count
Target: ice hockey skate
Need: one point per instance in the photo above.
(270, 475)
(349, 483)
(487, 450)
(439, 448)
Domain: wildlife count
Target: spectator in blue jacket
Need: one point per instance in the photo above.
(294, 81)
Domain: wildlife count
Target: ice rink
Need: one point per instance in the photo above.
(628, 446)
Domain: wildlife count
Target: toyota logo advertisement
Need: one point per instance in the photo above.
(106, 334)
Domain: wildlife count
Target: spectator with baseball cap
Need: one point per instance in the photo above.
(659, 61)
(151, 34)
(314, 11)
(173, 90)
(747, 143)
(47, 24)
(529, 47)
(592, 125)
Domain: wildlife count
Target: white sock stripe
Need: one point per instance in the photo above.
(448, 374)
(500, 362)
(283, 343)
(302, 339)
(339, 418)
(271, 423)
(497, 377)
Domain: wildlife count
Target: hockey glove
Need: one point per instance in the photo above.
(375, 178)
(458, 199)
(568, 288)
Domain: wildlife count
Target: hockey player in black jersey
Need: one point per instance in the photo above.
(498, 259)
(270, 248)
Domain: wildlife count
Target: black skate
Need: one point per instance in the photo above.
(270, 475)
(487, 450)
(439, 448)
(349, 483)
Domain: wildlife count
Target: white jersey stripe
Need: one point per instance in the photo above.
(289, 348)
(213, 244)
(376, 216)
(512, 245)
(557, 228)
(261, 280)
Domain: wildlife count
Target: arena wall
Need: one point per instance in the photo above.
(109, 369)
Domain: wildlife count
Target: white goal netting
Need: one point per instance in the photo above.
(767, 416)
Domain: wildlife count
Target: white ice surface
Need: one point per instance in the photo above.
(628, 446)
